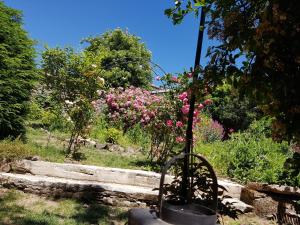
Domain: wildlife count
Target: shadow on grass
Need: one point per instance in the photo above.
(147, 164)
(91, 214)
(66, 211)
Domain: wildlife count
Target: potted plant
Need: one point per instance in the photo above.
(193, 201)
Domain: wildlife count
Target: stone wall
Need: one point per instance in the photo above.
(109, 193)
(73, 180)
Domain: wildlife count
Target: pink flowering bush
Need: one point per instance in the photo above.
(128, 107)
(171, 122)
(164, 118)
(210, 131)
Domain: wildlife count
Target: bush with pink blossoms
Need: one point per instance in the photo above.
(127, 107)
(210, 130)
(163, 118)
(168, 135)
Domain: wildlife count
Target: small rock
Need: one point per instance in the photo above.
(35, 158)
(141, 204)
(237, 204)
(90, 142)
(248, 195)
(6, 168)
(131, 150)
(126, 203)
(108, 201)
(100, 146)
(115, 148)
(265, 206)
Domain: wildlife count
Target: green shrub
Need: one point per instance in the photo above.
(113, 135)
(249, 156)
(13, 150)
(291, 171)
(214, 152)
(210, 131)
(253, 159)
(231, 109)
(139, 137)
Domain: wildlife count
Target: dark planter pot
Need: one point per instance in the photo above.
(188, 214)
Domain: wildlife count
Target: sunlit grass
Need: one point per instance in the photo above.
(26, 209)
(54, 151)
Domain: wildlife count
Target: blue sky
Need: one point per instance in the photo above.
(65, 22)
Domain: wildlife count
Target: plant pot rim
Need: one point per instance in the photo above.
(190, 209)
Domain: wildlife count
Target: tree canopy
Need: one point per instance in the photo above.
(125, 60)
(259, 46)
(17, 72)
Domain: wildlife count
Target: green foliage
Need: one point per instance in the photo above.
(256, 158)
(17, 72)
(209, 131)
(291, 171)
(249, 156)
(70, 75)
(139, 137)
(47, 118)
(258, 45)
(232, 110)
(55, 152)
(73, 81)
(13, 150)
(182, 8)
(125, 60)
(112, 135)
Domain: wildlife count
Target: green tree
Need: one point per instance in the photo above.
(232, 110)
(73, 80)
(258, 44)
(126, 61)
(17, 72)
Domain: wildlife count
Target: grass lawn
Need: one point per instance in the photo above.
(37, 140)
(18, 208)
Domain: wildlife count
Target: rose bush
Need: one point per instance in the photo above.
(163, 117)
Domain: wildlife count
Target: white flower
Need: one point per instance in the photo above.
(94, 65)
(177, 2)
(99, 92)
(69, 102)
(101, 80)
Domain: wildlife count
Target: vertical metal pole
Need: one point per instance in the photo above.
(189, 131)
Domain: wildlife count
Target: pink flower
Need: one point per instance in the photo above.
(114, 105)
(179, 124)
(200, 106)
(169, 123)
(185, 100)
(208, 102)
(179, 139)
(189, 75)
(231, 130)
(183, 96)
(157, 78)
(185, 109)
(174, 79)
(196, 113)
